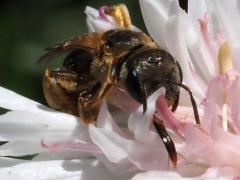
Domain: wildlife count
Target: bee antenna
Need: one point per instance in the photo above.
(194, 105)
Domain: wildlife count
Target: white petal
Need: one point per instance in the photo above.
(59, 155)
(91, 12)
(6, 162)
(106, 121)
(145, 156)
(21, 148)
(145, 150)
(16, 125)
(13, 101)
(203, 57)
(222, 173)
(110, 147)
(74, 169)
(96, 23)
(137, 121)
(155, 15)
(177, 47)
(186, 169)
(157, 175)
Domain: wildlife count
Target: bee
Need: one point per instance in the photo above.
(122, 58)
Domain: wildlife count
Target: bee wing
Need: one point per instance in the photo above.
(89, 41)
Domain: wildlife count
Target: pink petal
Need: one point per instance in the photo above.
(233, 93)
(166, 115)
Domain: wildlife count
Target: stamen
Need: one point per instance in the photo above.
(224, 58)
(225, 65)
(121, 14)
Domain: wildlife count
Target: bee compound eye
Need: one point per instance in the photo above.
(135, 89)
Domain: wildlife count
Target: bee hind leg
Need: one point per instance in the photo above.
(60, 90)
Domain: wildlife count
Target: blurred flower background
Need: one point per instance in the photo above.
(28, 27)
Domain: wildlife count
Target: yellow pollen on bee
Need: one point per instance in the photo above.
(121, 15)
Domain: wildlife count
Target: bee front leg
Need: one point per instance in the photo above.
(167, 140)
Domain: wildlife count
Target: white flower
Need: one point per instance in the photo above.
(65, 148)
(205, 43)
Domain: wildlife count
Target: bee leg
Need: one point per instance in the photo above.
(88, 107)
(167, 141)
(60, 90)
(89, 103)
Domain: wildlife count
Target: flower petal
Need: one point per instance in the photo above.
(107, 141)
(156, 175)
(222, 172)
(20, 148)
(70, 169)
(7, 162)
(155, 15)
(119, 148)
(17, 125)
(176, 45)
(97, 24)
(13, 101)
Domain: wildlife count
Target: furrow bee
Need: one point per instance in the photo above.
(121, 58)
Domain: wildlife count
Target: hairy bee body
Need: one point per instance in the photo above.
(96, 62)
